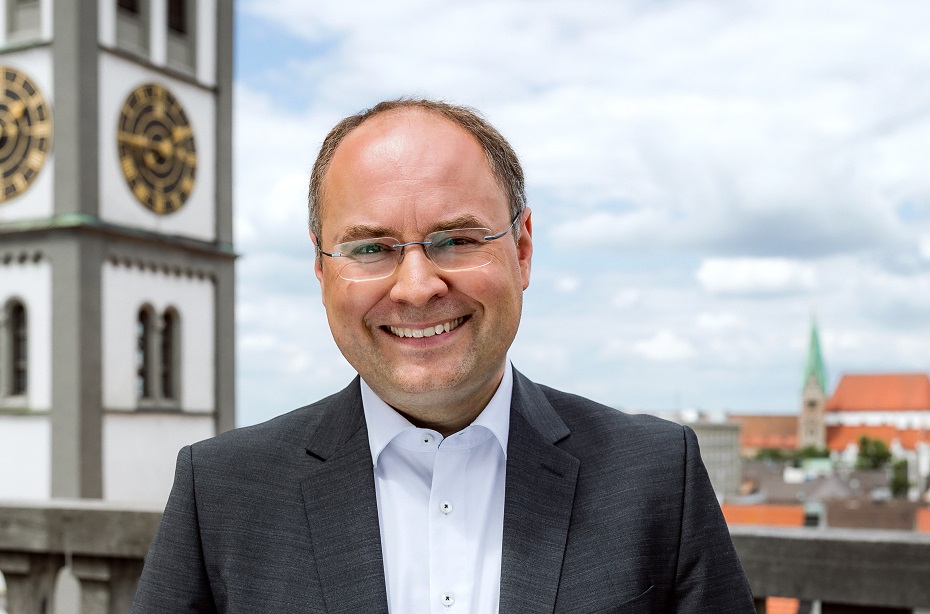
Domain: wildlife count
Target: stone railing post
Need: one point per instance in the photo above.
(30, 580)
(107, 585)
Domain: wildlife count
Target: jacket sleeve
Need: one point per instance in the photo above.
(174, 578)
(709, 577)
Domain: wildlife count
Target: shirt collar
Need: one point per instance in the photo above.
(385, 423)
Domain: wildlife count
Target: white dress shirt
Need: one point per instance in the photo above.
(441, 507)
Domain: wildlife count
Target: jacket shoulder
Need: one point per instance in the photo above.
(587, 419)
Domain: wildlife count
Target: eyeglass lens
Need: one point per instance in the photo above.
(452, 250)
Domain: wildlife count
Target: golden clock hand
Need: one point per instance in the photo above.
(164, 148)
(17, 108)
(134, 140)
(179, 133)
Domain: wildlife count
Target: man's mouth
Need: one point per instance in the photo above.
(429, 331)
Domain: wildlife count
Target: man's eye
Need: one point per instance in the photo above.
(369, 249)
(452, 241)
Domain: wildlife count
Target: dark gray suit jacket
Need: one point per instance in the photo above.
(604, 512)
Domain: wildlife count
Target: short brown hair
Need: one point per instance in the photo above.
(501, 157)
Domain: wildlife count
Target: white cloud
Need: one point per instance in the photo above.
(719, 322)
(626, 298)
(664, 346)
(755, 276)
(924, 247)
(567, 285)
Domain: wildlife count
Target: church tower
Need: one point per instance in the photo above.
(812, 430)
(116, 245)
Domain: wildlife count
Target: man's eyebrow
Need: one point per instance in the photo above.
(463, 221)
(363, 231)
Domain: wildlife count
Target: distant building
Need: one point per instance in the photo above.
(766, 432)
(719, 440)
(811, 427)
(892, 407)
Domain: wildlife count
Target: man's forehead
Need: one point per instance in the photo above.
(400, 132)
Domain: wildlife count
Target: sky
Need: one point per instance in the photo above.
(705, 178)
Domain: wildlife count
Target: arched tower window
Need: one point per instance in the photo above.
(158, 358)
(169, 367)
(17, 352)
(144, 365)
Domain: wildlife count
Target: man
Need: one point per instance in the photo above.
(441, 480)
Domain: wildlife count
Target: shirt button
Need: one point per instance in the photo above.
(445, 507)
(426, 438)
(447, 599)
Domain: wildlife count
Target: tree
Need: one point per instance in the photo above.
(899, 482)
(873, 454)
(812, 452)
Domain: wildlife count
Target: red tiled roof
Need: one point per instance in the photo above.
(881, 392)
(781, 605)
(766, 515)
(923, 520)
(758, 431)
(838, 437)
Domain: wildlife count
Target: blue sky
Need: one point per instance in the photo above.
(704, 176)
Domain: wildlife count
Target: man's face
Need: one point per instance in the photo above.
(405, 174)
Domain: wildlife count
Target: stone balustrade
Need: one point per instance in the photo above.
(847, 570)
(103, 545)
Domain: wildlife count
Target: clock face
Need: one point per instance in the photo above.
(156, 149)
(25, 132)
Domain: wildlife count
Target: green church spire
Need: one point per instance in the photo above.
(814, 365)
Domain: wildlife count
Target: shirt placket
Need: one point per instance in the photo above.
(449, 567)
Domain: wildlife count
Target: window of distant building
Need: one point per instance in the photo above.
(23, 19)
(181, 36)
(158, 343)
(132, 26)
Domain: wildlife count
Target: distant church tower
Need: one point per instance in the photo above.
(812, 430)
(116, 254)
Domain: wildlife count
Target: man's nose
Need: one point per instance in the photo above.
(417, 279)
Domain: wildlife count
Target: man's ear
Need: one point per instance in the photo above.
(525, 246)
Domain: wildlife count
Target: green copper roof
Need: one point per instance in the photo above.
(815, 360)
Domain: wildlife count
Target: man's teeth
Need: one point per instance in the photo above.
(426, 332)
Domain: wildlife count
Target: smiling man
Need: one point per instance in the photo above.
(441, 480)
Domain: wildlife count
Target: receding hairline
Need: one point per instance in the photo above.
(499, 155)
(410, 111)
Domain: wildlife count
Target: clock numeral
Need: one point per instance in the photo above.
(35, 158)
(141, 191)
(42, 129)
(19, 182)
(157, 202)
(175, 201)
(129, 167)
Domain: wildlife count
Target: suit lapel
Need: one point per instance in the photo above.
(341, 506)
(537, 503)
